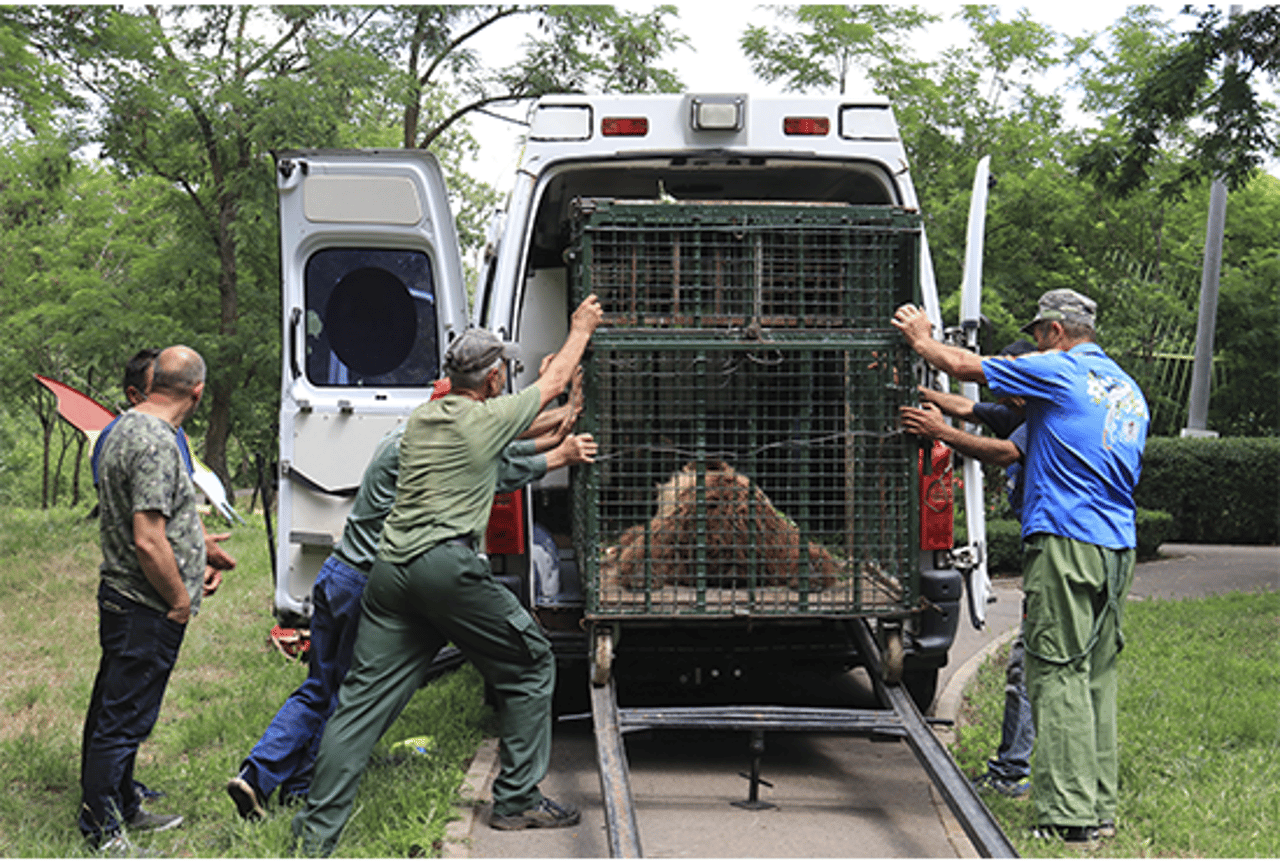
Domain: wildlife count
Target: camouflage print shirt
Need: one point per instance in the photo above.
(142, 470)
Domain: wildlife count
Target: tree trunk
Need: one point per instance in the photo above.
(46, 423)
(215, 441)
(57, 472)
(75, 475)
(220, 385)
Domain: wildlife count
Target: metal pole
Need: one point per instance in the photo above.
(1202, 366)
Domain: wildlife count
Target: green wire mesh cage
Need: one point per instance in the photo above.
(748, 267)
(751, 460)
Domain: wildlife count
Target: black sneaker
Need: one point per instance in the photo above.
(548, 814)
(1066, 833)
(249, 803)
(145, 820)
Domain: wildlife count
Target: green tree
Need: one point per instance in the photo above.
(1247, 340)
(1184, 85)
(75, 236)
(442, 77)
(820, 46)
(30, 87)
(195, 97)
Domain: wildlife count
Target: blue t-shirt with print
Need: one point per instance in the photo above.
(1086, 426)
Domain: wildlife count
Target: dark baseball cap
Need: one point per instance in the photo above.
(476, 349)
(1065, 306)
(1019, 347)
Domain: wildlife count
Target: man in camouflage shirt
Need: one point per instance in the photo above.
(153, 576)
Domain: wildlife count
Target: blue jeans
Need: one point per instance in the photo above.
(286, 753)
(1017, 731)
(139, 648)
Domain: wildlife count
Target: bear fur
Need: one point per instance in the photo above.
(731, 502)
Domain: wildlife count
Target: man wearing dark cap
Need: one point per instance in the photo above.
(432, 585)
(1087, 427)
(1010, 772)
(285, 754)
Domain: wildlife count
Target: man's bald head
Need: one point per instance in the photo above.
(178, 370)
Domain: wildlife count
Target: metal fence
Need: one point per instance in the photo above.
(744, 391)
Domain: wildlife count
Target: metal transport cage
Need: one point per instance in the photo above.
(744, 390)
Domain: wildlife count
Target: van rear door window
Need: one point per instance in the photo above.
(371, 318)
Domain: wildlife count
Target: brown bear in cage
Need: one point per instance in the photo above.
(731, 503)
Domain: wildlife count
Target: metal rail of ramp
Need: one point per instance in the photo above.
(900, 719)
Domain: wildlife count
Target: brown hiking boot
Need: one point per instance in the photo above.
(547, 814)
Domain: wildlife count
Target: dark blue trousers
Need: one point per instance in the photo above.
(1017, 730)
(286, 753)
(139, 648)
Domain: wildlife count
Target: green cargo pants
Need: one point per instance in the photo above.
(1075, 596)
(407, 614)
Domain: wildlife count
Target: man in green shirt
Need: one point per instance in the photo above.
(431, 585)
(286, 752)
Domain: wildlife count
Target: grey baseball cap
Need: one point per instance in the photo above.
(476, 349)
(1065, 306)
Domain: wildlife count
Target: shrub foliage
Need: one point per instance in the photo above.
(1218, 491)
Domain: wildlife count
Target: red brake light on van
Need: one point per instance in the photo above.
(636, 127)
(806, 126)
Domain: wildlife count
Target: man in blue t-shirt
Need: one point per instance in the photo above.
(1087, 426)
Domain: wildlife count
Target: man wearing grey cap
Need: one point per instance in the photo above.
(1087, 427)
(430, 585)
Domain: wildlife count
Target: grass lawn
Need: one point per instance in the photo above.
(1199, 723)
(225, 689)
(1199, 733)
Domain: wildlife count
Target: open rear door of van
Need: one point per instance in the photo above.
(373, 291)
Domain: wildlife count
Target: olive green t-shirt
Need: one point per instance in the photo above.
(520, 464)
(140, 469)
(449, 460)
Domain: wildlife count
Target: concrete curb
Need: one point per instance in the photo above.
(948, 706)
(477, 797)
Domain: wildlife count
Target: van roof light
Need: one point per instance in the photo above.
(806, 125)
(561, 123)
(624, 126)
(717, 115)
(867, 122)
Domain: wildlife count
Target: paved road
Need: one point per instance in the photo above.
(835, 796)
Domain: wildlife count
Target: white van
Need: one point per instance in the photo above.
(754, 494)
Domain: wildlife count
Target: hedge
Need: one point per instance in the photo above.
(1219, 491)
(1004, 540)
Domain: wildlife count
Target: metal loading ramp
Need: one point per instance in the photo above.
(899, 719)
